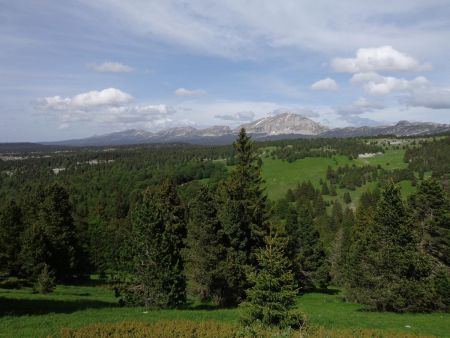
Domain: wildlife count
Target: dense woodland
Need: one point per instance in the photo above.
(166, 223)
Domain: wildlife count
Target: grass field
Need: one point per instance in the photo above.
(281, 175)
(23, 314)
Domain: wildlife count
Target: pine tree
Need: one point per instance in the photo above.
(51, 238)
(11, 228)
(243, 214)
(325, 190)
(304, 249)
(431, 211)
(271, 300)
(347, 198)
(45, 282)
(389, 272)
(313, 267)
(159, 230)
(205, 251)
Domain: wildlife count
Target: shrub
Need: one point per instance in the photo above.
(45, 282)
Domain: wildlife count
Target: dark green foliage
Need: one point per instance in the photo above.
(431, 156)
(389, 273)
(243, 214)
(205, 250)
(159, 229)
(431, 209)
(325, 190)
(11, 228)
(50, 239)
(347, 198)
(305, 250)
(45, 281)
(292, 150)
(271, 300)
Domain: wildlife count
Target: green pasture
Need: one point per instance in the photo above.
(24, 314)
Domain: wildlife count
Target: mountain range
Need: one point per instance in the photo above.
(284, 125)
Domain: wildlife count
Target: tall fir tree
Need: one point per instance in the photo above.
(311, 266)
(159, 229)
(51, 239)
(271, 300)
(205, 249)
(243, 214)
(389, 273)
(431, 212)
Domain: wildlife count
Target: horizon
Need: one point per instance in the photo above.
(70, 71)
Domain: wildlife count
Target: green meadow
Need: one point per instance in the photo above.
(24, 314)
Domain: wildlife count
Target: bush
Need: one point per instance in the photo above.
(45, 282)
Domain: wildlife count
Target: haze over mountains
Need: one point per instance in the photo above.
(283, 125)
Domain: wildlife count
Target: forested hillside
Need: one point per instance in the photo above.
(166, 226)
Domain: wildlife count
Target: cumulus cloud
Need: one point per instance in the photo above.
(94, 98)
(189, 92)
(239, 116)
(111, 107)
(111, 67)
(325, 84)
(376, 84)
(383, 58)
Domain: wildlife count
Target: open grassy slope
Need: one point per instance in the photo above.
(281, 175)
(23, 314)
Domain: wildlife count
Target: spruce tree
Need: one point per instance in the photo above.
(431, 212)
(159, 229)
(243, 214)
(271, 300)
(313, 266)
(347, 198)
(205, 250)
(389, 272)
(51, 238)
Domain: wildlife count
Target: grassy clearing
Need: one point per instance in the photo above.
(282, 175)
(24, 314)
(391, 159)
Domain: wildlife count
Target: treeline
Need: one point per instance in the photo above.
(431, 156)
(352, 177)
(293, 150)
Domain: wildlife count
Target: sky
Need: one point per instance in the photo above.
(73, 69)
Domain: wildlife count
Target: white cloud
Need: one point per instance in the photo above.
(325, 84)
(94, 98)
(111, 67)
(189, 92)
(111, 107)
(239, 116)
(418, 92)
(376, 84)
(383, 58)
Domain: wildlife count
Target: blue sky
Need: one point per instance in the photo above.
(72, 69)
